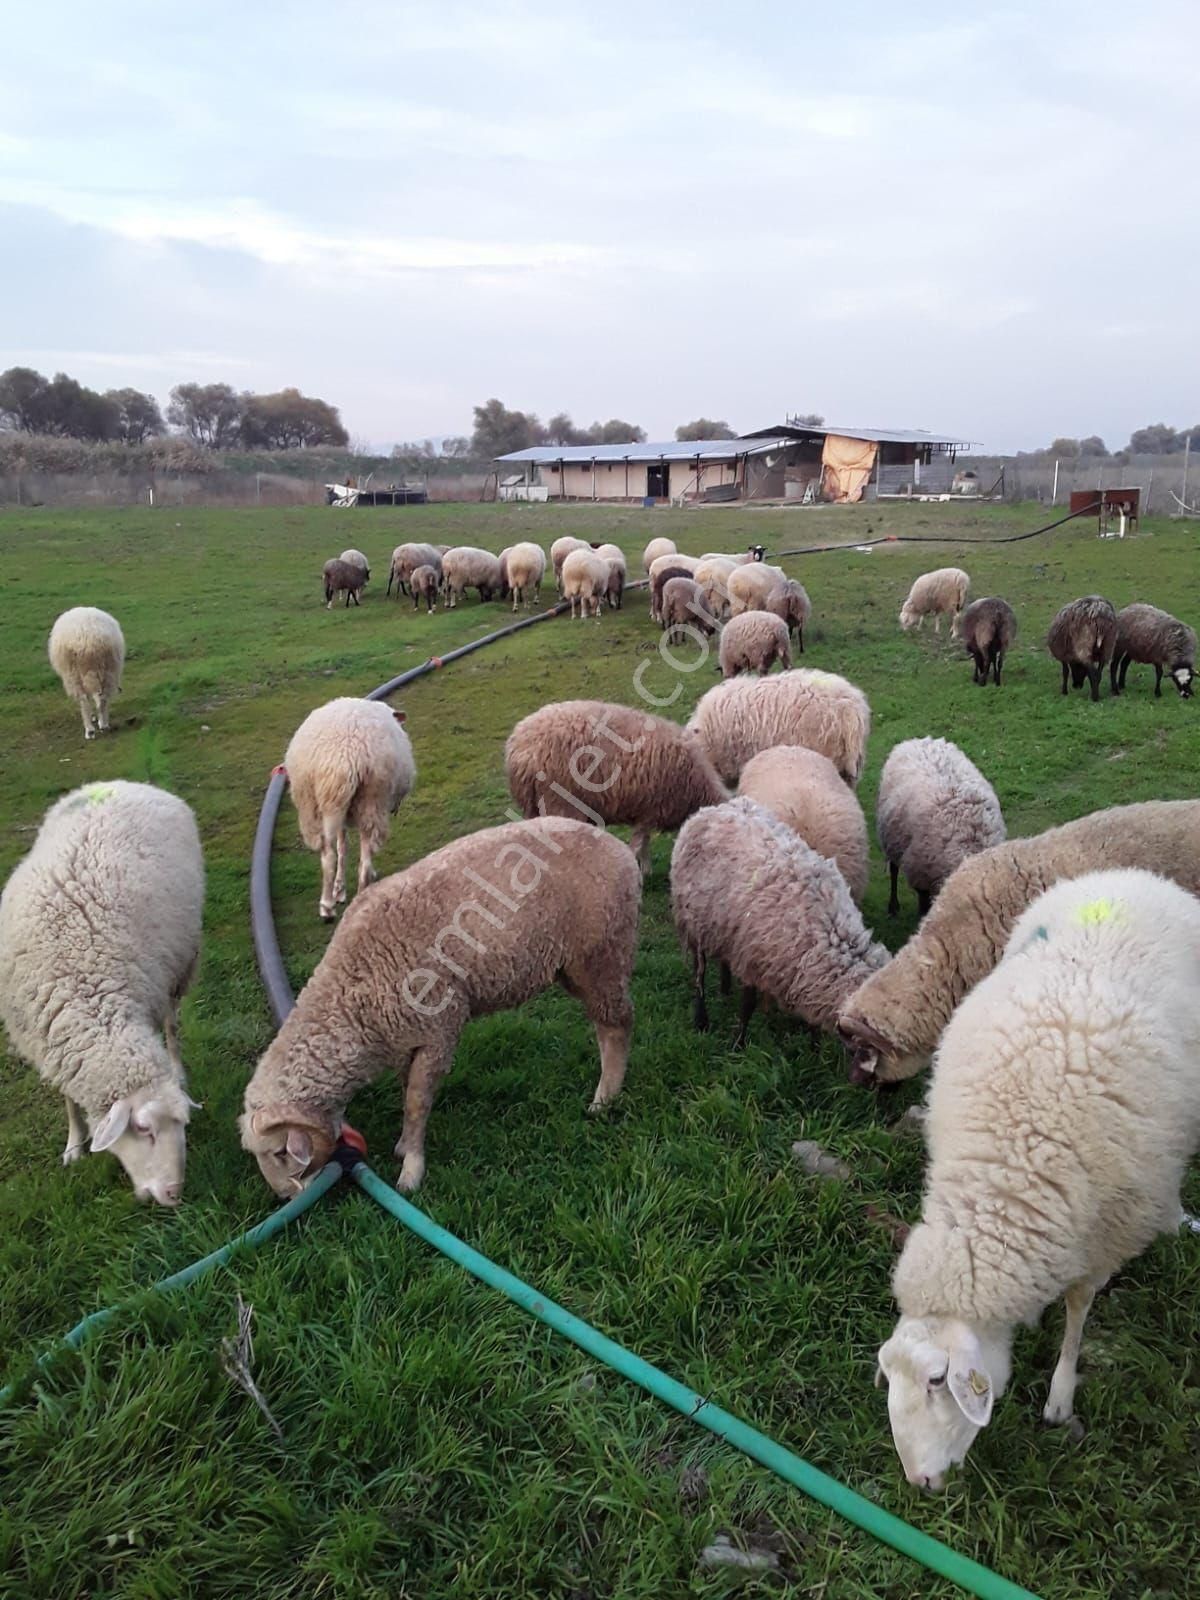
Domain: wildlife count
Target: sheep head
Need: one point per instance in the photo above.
(291, 1143)
(943, 1376)
(147, 1132)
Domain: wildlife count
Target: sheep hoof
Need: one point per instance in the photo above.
(326, 913)
(73, 1153)
(597, 1106)
(1054, 1413)
(411, 1174)
(89, 733)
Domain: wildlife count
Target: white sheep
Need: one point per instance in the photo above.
(615, 556)
(656, 548)
(754, 642)
(804, 790)
(87, 651)
(805, 706)
(560, 550)
(585, 580)
(99, 942)
(356, 558)
(936, 594)
(526, 566)
(934, 809)
(466, 567)
(1063, 1110)
(750, 586)
(349, 765)
(406, 558)
(713, 574)
(662, 569)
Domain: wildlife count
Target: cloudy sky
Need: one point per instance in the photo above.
(980, 219)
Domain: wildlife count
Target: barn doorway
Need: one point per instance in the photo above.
(658, 481)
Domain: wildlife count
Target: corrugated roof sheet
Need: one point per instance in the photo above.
(667, 450)
(880, 435)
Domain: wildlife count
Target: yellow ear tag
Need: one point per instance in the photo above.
(1096, 912)
(979, 1384)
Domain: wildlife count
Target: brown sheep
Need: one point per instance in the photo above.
(1161, 641)
(343, 577)
(754, 642)
(988, 628)
(684, 608)
(1082, 637)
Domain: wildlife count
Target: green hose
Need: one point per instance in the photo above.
(938, 1557)
(257, 1235)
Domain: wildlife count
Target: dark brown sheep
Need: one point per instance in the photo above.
(1082, 637)
(989, 627)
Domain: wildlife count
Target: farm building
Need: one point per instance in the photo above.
(792, 461)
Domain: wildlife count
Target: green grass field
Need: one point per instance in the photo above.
(436, 1442)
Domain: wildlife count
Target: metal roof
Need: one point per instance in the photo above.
(667, 450)
(879, 435)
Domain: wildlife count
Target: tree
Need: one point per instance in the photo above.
(1156, 440)
(498, 431)
(561, 430)
(705, 428)
(138, 416)
(23, 399)
(614, 431)
(289, 420)
(1067, 449)
(457, 447)
(60, 405)
(209, 413)
(810, 419)
(1093, 446)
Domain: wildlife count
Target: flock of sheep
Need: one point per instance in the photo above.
(1053, 981)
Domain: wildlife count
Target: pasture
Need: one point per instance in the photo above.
(436, 1442)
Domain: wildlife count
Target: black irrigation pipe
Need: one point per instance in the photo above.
(932, 538)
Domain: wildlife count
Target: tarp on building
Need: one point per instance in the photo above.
(846, 466)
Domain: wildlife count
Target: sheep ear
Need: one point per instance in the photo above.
(972, 1388)
(113, 1125)
(299, 1148)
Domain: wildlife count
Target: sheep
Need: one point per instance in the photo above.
(892, 1024)
(1161, 641)
(684, 610)
(1082, 637)
(934, 594)
(549, 900)
(749, 586)
(87, 651)
(560, 550)
(654, 773)
(712, 574)
(934, 809)
(585, 577)
(505, 588)
(789, 600)
(343, 577)
(466, 567)
(805, 792)
(424, 582)
(526, 568)
(356, 558)
(406, 558)
(615, 556)
(661, 572)
(988, 628)
(99, 943)
(656, 548)
(1063, 1110)
(349, 765)
(749, 892)
(817, 709)
(754, 642)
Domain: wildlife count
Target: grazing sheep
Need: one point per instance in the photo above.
(712, 574)
(656, 548)
(356, 558)
(560, 550)
(99, 942)
(1159, 640)
(805, 792)
(481, 925)
(789, 600)
(754, 642)
(526, 568)
(406, 558)
(684, 610)
(1063, 1110)
(466, 567)
(749, 892)
(988, 628)
(349, 765)
(87, 651)
(343, 577)
(892, 1024)
(1082, 637)
(425, 582)
(935, 808)
(585, 578)
(654, 774)
(751, 585)
(505, 589)
(615, 556)
(663, 570)
(936, 594)
(817, 709)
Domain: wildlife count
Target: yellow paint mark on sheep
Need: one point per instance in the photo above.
(1096, 912)
(97, 793)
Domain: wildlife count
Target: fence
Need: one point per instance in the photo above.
(1160, 478)
(198, 489)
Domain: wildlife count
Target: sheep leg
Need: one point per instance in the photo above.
(639, 843)
(699, 1008)
(800, 640)
(89, 716)
(997, 663)
(1157, 687)
(924, 901)
(329, 837)
(339, 882)
(726, 978)
(1093, 673)
(894, 900)
(427, 1068)
(1124, 671)
(937, 623)
(614, 1058)
(1114, 686)
(1066, 670)
(749, 1003)
(980, 673)
(1061, 1402)
(77, 1134)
